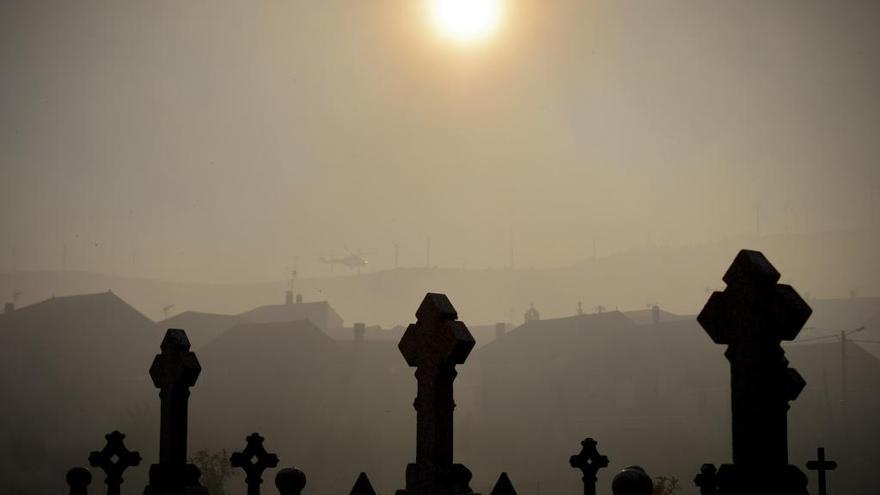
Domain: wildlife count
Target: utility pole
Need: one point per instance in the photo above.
(511, 249)
(787, 209)
(428, 254)
(758, 219)
(64, 257)
(396, 255)
(843, 368)
(843, 374)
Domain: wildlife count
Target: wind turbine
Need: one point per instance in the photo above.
(166, 308)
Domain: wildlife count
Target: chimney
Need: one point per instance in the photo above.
(359, 330)
(500, 328)
(655, 315)
(299, 298)
(288, 297)
(8, 308)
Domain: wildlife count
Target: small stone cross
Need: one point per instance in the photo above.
(589, 461)
(254, 460)
(114, 459)
(821, 465)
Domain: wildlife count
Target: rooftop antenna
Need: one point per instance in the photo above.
(165, 309)
(512, 264)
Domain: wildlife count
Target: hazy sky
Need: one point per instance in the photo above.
(219, 140)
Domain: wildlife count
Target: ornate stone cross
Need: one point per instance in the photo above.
(752, 316)
(589, 461)
(434, 345)
(174, 371)
(821, 465)
(114, 459)
(254, 460)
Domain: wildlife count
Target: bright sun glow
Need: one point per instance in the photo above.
(466, 20)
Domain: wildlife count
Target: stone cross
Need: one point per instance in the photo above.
(174, 371)
(821, 465)
(589, 461)
(254, 460)
(434, 345)
(78, 480)
(752, 316)
(114, 459)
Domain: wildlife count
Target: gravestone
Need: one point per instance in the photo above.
(752, 316)
(434, 345)
(589, 461)
(114, 459)
(253, 460)
(174, 371)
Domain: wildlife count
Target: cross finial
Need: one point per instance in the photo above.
(753, 306)
(821, 465)
(254, 459)
(589, 461)
(707, 480)
(176, 366)
(436, 339)
(114, 459)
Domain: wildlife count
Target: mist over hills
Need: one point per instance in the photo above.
(677, 278)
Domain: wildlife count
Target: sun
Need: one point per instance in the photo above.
(466, 21)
